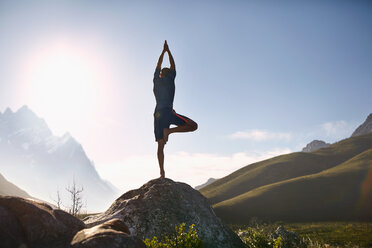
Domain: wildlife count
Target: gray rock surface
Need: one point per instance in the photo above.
(26, 223)
(160, 205)
(365, 128)
(111, 234)
(315, 145)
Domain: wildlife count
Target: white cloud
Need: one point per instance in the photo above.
(337, 130)
(192, 168)
(260, 135)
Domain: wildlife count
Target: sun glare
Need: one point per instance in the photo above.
(64, 83)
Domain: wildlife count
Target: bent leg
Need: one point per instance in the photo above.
(189, 126)
(161, 144)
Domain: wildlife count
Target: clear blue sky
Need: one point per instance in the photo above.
(260, 77)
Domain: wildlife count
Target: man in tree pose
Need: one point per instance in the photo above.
(165, 115)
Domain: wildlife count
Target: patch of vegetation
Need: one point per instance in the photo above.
(257, 238)
(314, 235)
(180, 239)
(336, 234)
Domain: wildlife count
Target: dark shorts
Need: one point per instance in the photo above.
(163, 118)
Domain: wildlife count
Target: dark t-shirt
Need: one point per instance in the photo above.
(164, 89)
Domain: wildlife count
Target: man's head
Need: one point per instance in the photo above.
(165, 71)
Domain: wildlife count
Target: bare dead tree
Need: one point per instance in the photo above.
(76, 198)
(58, 200)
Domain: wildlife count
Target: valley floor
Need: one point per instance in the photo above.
(323, 234)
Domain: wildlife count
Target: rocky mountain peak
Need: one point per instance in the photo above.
(315, 145)
(209, 181)
(24, 109)
(23, 122)
(27, 141)
(8, 111)
(364, 128)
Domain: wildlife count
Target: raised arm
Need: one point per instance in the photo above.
(171, 60)
(160, 61)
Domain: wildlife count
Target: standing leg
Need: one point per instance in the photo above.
(161, 144)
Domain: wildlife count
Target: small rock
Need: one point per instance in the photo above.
(111, 234)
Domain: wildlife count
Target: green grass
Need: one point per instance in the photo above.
(323, 234)
(334, 194)
(285, 167)
(331, 184)
(336, 233)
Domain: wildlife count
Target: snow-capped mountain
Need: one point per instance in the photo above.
(41, 163)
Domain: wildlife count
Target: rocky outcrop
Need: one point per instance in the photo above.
(315, 145)
(160, 205)
(111, 234)
(26, 223)
(365, 128)
(209, 181)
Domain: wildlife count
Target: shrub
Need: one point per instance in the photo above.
(254, 238)
(180, 239)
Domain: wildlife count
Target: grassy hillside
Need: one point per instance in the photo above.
(7, 188)
(343, 192)
(285, 167)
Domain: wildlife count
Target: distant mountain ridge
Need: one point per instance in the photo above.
(364, 128)
(41, 163)
(209, 181)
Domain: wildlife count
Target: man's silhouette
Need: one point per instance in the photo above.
(165, 115)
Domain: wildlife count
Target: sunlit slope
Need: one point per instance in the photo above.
(8, 188)
(343, 192)
(285, 167)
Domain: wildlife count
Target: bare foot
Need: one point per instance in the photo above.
(166, 133)
(162, 174)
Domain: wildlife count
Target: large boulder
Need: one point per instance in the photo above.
(111, 234)
(160, 205)
(27, 223)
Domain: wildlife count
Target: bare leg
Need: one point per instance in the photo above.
(190, 126)
(161, 144)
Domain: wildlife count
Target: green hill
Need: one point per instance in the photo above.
(322, 185)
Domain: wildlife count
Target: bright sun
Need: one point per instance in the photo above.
(64, 83)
